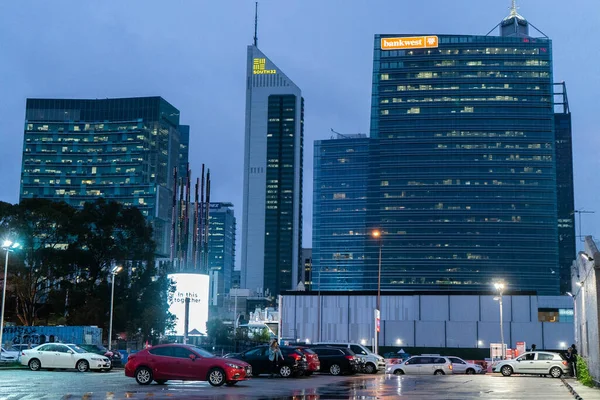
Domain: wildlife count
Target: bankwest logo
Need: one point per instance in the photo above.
(402, 43)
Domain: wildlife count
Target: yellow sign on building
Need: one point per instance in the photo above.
(402, 43)
(259, 67)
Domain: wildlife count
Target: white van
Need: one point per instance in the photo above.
(373, 362)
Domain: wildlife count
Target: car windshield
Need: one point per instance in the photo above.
(77, 349)
(202, 352)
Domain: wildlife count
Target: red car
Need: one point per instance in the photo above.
(312, 360)
(187, 363)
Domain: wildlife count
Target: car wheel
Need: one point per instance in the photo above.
(556, 372)
(335, 369)
(216, 377)
(439, 372)
(470, 371)
(143, 376)
(82, 366)
(370, 368)
(35, 364)
(506, 370)
(285, 371)
(161, 381)
(398, 372)
(231, 383)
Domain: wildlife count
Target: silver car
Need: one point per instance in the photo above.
(422, 365)
(534, 362)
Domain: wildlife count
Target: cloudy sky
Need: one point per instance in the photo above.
(192, 53)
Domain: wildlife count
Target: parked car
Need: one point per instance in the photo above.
(21, 347)
(372, 362)
(294, 361)
(460, 366)
(186, 363)
(534, 362)
(422, 365)
(8, 355)
(115, 357)
(313, 363)
(59, 355)
(337, 361)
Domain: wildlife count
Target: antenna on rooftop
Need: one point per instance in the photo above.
(256, 24)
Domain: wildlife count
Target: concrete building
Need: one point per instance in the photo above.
(586, 291)
(272, 209)
(423, 319)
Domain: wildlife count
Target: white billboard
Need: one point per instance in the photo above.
(195, 287)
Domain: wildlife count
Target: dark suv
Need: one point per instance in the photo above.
(293, 364)
(337, 360)
(116, 359)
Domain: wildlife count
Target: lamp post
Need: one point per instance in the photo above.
(114, 273)
(500, 288)
(377, 236)
(7, 246)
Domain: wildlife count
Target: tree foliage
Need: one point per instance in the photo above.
(66, 261)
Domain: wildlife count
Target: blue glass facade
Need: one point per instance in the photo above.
(124, 150)
(341, 174)
(461, 179)
(221, 249)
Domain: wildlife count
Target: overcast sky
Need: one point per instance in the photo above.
(193, 53)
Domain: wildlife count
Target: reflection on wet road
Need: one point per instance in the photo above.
(45, 385)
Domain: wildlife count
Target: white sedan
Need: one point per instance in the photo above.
(8, 356)
(58, 355)
(460, 366)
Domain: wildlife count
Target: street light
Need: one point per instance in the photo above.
(500, 288)
(377, 235)
(114, 273)
(7, 246)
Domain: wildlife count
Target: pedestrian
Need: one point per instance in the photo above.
(575, 355)
(533, 347)
(275, 356)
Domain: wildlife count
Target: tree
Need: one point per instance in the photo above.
(66, 261)
(218, 332)
(41, 227)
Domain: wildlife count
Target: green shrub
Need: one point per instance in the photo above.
(583, 374)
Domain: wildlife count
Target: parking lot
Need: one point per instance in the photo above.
(44, 385)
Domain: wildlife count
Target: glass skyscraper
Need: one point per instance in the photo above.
(123, 150)
(221, 250)
(341, 178)
(462, 174)
(272, 214)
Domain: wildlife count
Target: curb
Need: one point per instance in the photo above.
(570, 388)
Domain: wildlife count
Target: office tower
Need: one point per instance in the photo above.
(272, 210)
(567, 250)
(120, 149)
(341, 174)
(462, 180)
(221, 250)
(184, 151)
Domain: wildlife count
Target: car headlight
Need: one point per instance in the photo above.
(234, 366)
(97, 359)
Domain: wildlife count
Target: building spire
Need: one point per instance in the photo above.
(256, 24)
(513, 9)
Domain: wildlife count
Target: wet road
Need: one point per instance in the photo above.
(46, 385)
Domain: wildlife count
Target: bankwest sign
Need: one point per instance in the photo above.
(402, 43)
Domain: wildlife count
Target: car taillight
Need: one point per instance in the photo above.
(450, 366)
(565, 363)
(296, 357)
(350, 357)
(22, 353)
